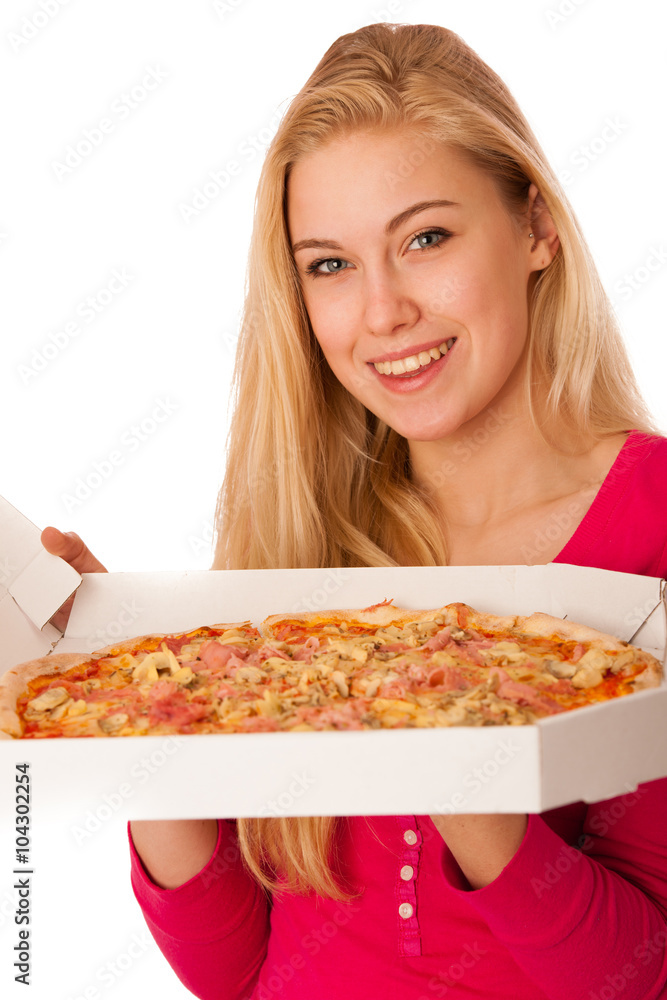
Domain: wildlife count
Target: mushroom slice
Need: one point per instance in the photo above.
(78, 707)
(183, 676)
(60, 709)
(587, 677)
(146, 671)
(252, 674)
(268, 704)
(451, 715)
(172, 660)
(357, 648)
(373, 687)
(113, 723)
(48, 699)
(560, 668)
(595, 658)
(340, 680)
(622, 660)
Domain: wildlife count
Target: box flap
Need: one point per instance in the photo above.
(21, 640)
(33, 585)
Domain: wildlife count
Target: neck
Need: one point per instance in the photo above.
(497, 465)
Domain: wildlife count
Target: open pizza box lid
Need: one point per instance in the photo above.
(33, 585)
(589, 754)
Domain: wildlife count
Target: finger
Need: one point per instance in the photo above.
(55, 542)
(70, 547)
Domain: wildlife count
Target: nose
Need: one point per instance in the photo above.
(389, 306)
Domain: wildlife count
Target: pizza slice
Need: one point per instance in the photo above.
(147, 684)
(458, 666)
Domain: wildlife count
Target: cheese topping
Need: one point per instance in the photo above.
(422, 674)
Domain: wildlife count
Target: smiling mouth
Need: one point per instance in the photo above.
(414, 364)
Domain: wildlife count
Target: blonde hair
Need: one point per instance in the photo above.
(312, 477)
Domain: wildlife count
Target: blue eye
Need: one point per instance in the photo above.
(441, 233)
(314, 268)
(334, 265)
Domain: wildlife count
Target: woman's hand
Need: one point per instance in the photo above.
(72, 549)
(482, 844)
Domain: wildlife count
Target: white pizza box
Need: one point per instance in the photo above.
(589, 754)
(33, 585)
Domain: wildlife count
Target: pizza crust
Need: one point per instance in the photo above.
(650, 677)
(538, 624)
(547, 626)
(377, 616)
(14, 682)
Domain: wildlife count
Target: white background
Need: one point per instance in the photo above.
(228, 71)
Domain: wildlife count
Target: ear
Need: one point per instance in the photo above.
(545, 242)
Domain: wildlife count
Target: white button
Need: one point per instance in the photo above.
(410, 837)
(407, 871)
(405, 910)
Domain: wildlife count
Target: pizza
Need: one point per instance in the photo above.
(382, 667)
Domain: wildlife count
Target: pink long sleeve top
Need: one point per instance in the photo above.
(579, 913)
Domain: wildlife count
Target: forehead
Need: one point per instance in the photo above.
(368, 174)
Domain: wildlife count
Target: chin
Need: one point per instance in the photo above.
(429, 433)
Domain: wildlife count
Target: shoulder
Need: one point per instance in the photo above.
(641, 469)
(647, 450)
(641, 490)
(625, 528)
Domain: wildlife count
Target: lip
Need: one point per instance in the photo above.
(398, 355)
(411, 383)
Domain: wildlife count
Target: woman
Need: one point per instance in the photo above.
(431, 373)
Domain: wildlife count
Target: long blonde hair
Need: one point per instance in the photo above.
(313, 479)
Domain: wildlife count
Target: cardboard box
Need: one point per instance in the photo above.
(589, 754)
(33, 585)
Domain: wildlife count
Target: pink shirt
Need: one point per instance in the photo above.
(579, 913)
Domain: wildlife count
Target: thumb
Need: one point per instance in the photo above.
(70, 547)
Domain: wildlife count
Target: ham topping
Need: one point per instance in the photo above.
(439, 640)
(215, 655)
(523, 694)
(412, 674)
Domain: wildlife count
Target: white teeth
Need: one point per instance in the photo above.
(414, 361)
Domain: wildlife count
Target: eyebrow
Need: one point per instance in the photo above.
(391, 226)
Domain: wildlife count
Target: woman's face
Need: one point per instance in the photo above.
(415, 278)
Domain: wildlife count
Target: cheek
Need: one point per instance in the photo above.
(332, 324)
(450, 295)
(489, 297)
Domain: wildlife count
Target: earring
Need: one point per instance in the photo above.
(530, 236)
